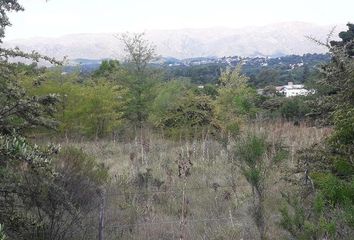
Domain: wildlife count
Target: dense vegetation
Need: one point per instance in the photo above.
(329, 166)
(134, 156)
(262, 71)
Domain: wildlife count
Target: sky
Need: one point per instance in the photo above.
(54, 18)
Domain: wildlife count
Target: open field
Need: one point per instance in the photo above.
(144, 197)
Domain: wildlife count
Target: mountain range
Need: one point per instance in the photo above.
(270, 40)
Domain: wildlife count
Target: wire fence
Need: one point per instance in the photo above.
(142, 192)
(118, 220)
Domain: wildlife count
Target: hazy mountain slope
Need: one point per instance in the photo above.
(270, 40)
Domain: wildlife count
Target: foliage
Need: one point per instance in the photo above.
(51, 193)
(90, 108)
(198, 74)
(5, 7)
(25, 175)
(77, 171)
(267, 76)
(298, 224)
(107, 68)
(256, 158)
(36, 202)
(209, 90)
(139, 51)
(294, 108)
(346, 41)
(177, 107)
(2, 234)
(42, 200)
(329, 165)
(141, 80)
(235, 101)
(20, 111)
(262, 72)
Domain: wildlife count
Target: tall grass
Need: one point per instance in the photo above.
(143, 199)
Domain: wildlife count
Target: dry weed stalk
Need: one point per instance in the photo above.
(184, 167)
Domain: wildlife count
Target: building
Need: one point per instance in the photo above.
(292, 90)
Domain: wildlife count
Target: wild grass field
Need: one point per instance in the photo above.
(145, 195)
(129, 151)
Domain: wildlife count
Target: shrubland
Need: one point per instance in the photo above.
(124, 154)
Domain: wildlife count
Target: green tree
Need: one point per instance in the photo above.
(179, 109)
(347, 38)
(107, 68)
(328, 195)
(235, 101)
(256, 157)
(35, 203)
(5, 7)
(267, 76)
(93, 108)
(294, 109)
(140, 53)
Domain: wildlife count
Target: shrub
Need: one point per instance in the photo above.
(89, 109)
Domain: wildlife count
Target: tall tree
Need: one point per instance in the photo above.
(324, 208)
(5, 7)
(36, 200)
(140, 53)
(347, 40)
(235, 100)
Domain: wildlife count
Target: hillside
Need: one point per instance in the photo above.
(262, 71)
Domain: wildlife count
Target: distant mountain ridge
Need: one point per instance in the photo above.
(270, 40)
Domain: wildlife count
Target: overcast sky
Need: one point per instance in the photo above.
(60, 17)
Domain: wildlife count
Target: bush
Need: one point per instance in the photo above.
(178, 109)
(89, 109)
(257, 157)
(235, 101)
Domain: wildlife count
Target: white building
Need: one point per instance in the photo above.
(292, 90)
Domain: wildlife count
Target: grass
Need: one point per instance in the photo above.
(144, 198)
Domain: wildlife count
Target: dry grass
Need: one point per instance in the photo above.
(218, 198)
